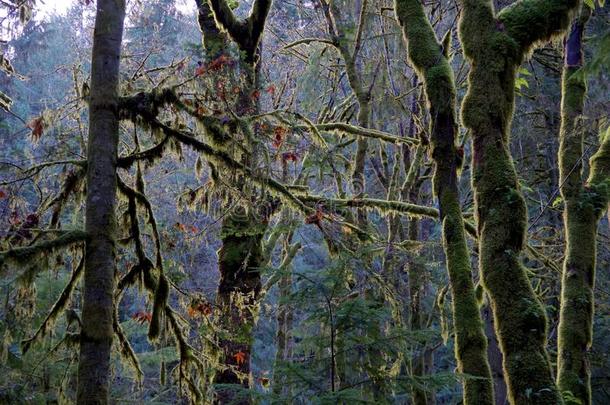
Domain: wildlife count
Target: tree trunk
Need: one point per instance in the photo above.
(97, 333)
(495, 46)
(240, 257)
(432, 65)
(584, 205)
(495, 357)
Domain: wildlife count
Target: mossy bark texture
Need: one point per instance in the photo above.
(240, 257)
(585, 202)
(432, 65)
(97, 332)
(214, 41)
(495, 45)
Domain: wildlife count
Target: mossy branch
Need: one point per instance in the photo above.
(308, 41)
(532, 21)
(26, 254)
(224, 159)
(289, 256)
(59, 306)
(382, 205)
(214, 41)
(149, 155)
(34, 170)
(125, 348)
(246, 33)
(364, 132)
(599, 175)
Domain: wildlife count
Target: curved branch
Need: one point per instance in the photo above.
(531, 21)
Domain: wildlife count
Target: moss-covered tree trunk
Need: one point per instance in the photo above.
(585, 201)
(495, 45)
(495, 357)
(416, 271)
(432, 65)
(97, 333)
(240, 257)
(332, 13)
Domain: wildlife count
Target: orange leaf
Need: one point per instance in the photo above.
(240, 357)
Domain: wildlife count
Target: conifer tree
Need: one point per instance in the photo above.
(100, 224)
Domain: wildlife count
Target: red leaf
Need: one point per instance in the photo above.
(279, 134)
(2, 194)
(315, 218)
(37, 127)
(218, 63)
(271, 89)
(142, 317)
(200, 71)
(290, 156)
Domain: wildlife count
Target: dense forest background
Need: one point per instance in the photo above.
(285, 197)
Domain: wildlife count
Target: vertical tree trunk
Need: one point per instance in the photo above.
(495, 45)
(416, 271)
(97, 333)
(584, 206)
(495, 357)
(240, 257)
(432, 65)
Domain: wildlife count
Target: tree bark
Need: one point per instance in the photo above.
(97, 333)
(432, 65)
(584, 206)
(495, 46)
(240, 257)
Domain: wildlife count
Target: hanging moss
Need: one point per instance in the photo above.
(125, 349)
(27, 254)
(495, 47)
(160, 301)
(58, 307)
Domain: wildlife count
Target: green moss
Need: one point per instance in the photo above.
(584, 205)
(160, 301)
(429, 59)
(495, 49)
